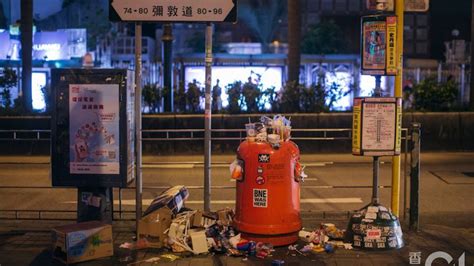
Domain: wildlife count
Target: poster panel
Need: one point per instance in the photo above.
(374, 44)
(378, 126)
(94, 128)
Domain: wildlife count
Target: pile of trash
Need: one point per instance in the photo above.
(327, 238)
(167, 223)
(271, 130)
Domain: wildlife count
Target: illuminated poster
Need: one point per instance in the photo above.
(378, 47)
(374, 43)
(4, 44)
(50, 46)
(94, 128)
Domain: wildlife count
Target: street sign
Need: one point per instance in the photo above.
(417, 5)
(376, 126)
(173, 10)
(389, 5)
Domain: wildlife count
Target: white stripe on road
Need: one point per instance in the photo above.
(313, 200)
(168, 166)
(216, 165)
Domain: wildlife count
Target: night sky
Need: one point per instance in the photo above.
(447, 15)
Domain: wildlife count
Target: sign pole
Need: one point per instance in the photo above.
(399, 9)
(138, 124)
(207, 120)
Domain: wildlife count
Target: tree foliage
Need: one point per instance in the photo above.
(429, 95)
(8, 80)
(323, 38)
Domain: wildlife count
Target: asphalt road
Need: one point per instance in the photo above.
(335, 185)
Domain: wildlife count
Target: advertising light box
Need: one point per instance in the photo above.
(4, 44)
(92, 128)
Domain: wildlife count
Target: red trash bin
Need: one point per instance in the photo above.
(268, 193)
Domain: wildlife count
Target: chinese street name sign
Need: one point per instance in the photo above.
(389, 5)
(173, 10)
(376, 126)
(379, 45)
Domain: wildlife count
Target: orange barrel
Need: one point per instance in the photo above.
(268, 194)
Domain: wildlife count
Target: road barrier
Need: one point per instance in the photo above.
(173, 135)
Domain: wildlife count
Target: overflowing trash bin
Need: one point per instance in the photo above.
(268, 175)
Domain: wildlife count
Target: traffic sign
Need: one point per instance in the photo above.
(389, 5)
(417, 5)
(173, 10)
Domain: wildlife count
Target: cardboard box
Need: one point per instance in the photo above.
(152, 227)
(157, 217)
(83, 241)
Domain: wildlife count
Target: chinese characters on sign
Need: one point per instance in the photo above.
(172, 10)
(376, 129)
(379, 50)
(94, 129)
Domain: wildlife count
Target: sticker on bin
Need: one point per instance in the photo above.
(260, 180)
(264, 158)
(260, 198)
(374, 234)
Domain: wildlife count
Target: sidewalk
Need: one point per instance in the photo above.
(28, 243)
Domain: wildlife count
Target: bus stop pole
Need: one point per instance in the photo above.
(138, 124)
(400, 10)
(207, 120)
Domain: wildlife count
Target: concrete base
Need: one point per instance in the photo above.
(375, 228)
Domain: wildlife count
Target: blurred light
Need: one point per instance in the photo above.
(38, 81)
(267, 76)
(343, 80)
(367, 85)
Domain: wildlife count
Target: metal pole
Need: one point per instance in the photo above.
(167, 57)
(375, 185)
(207, 120)
(138, 123)
(378, 86)
(463, 85)
(400, 11)
(471, 91)
(26, 27)
(415, 176)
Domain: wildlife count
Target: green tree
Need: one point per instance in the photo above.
(193, 96)
(323, 38)
(429, 95)
(8, 80)
(251, 93)
(152, 97)
(234, 91)
(290, 97)
(263, 18)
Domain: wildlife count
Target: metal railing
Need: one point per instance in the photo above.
(179, 135)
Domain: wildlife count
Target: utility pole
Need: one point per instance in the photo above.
(26, 28)
(294, 39)
(400, 11)
(471, 93)
(167, 58)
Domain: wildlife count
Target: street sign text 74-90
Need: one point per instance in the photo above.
(173, 10)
